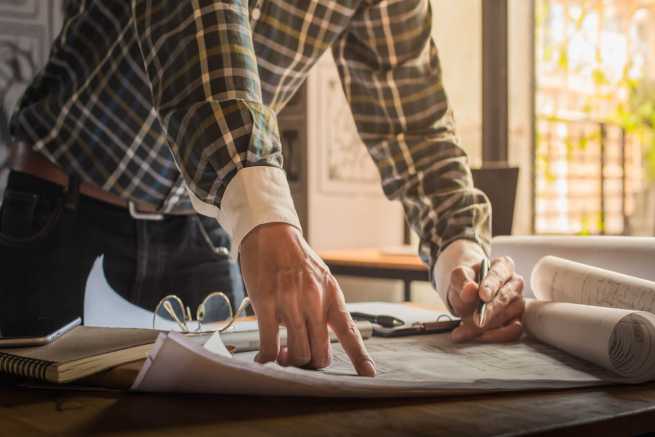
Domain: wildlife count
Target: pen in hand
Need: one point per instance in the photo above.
(482, 273)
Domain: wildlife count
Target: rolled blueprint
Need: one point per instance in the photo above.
(561, 280)
(629, 255)
(620, 340)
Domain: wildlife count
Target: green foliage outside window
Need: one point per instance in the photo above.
(592, 70)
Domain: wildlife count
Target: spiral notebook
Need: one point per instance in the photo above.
(82, 352)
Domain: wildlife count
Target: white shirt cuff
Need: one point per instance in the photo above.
(458, 253)
(255, 196)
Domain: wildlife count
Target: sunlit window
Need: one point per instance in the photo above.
(595, 109)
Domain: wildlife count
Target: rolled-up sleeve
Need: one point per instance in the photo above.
(201, 65)
(390, 72)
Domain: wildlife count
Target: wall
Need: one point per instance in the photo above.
(521, 110)
(457, 28)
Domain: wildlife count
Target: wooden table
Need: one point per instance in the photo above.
(374, 263)
(615, 410)
(624, 410)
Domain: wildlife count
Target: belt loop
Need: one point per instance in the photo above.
(72, 195)
(137, 215)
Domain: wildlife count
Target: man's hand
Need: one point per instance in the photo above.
(289, 284)
(502, 322)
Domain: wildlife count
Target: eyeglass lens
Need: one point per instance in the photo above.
(167, 311)
(215, 308)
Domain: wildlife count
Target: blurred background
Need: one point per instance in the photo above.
(560, 92)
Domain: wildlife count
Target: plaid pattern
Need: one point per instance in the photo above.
(148, 97)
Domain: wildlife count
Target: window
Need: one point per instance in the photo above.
(595, 111)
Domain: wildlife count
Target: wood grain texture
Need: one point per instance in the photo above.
(372, 258)
(625, 410)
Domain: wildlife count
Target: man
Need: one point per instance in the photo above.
(171, 106)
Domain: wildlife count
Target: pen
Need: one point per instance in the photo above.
(382, 320)
(419, 328)
(484, 269)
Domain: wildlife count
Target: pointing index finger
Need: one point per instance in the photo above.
(346, 331)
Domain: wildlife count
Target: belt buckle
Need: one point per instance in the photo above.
(143, 215)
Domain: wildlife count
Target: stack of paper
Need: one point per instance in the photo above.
(411, 366)
(580, 345)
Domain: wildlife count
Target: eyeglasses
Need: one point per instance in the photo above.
(213, 314)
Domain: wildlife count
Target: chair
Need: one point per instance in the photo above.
(499, 184)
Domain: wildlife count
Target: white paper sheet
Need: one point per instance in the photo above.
(562, 280)
(622, 341)
(590, 313)
(105, 308)
(613, 346)
(410, 366)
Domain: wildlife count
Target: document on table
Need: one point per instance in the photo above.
(570, 345)
(429, 365)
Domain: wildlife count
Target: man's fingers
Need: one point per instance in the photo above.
(315, 314)
(510, 332)
(464, 301)
(501, 271)
(299, 353)
(319, 343)
(469, 331)
(269, 342)
(283, 356)
(470, 328)
(507, 305)
(465, 331)
(346, 331)
(289, 283)
(463, 291)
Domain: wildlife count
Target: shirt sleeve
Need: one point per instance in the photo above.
(201, 65)
(391, 76)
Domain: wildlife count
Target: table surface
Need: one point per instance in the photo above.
(611, 410)
(621, 410)
(372, 258)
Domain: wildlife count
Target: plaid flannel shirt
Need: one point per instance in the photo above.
(167, 101)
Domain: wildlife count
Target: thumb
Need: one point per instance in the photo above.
(468, 288)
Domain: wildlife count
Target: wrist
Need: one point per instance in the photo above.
(273, 233)
(458, 253)
(254, 196)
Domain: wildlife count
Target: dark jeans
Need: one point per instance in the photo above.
(50, 238)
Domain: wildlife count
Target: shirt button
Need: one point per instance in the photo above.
(256, 13)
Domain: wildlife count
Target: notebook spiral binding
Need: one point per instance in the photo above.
(22, 366)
